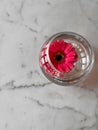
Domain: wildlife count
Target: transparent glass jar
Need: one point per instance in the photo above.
(81, 68)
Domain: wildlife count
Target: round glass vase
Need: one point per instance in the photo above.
(82, 66)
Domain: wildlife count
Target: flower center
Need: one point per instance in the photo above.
(59, 57)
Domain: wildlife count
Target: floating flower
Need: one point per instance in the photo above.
(62, 55)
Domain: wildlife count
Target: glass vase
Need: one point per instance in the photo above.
(82, 66)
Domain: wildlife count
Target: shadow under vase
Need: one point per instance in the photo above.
(92, 79)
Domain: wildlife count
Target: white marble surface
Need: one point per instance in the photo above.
(28, 101)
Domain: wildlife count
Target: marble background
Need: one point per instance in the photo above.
(28, 101)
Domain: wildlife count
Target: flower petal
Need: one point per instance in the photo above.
(61, 45)
(70, 65)
(66, 68)
(54, 46)
(68, 48)
(60, 68)
(71, 59)
(63, 68)
(71, 54)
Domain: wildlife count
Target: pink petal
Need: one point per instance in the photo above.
(54, 46)
(63, 68)
(70, 65)
(68, 48)
(66, 68)
(60, 67)
(61, 44)
(71, 54)
(71, 59)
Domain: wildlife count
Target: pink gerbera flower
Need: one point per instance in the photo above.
(62, 55)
